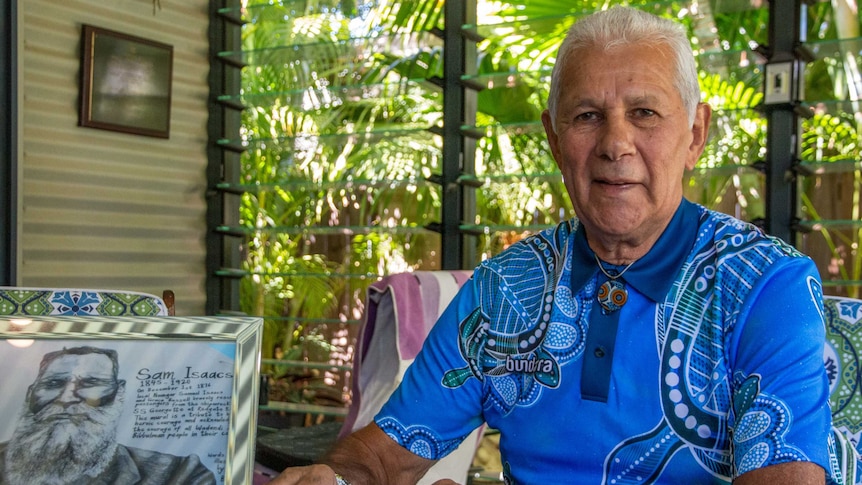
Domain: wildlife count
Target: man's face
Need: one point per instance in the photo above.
(68, 427)
(75, 379)
(623, 142)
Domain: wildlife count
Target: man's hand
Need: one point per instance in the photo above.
(306, 475)
(320, 475)
(366, 457)
(797, 473)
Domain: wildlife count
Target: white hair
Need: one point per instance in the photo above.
(626, 26)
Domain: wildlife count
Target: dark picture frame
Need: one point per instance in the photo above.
(125, 83)
(190, 384)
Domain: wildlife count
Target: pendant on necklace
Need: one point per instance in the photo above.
(612, 296)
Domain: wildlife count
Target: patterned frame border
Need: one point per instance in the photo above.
(245, 332)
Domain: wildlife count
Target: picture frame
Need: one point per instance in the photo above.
(125, 83)
(186, 389)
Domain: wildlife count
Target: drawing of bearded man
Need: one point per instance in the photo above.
(67, 432)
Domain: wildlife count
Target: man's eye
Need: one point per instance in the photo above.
(644, 113)
(588, 116)
(53, 383)
(93, 383)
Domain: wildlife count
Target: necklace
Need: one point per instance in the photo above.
(612, 294)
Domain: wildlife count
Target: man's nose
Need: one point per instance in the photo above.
(615, 138)
(69, 394)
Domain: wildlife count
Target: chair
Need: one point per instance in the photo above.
(400, 310)
(16, 300)
(843, 368)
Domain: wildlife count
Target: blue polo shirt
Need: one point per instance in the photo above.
(713, 366)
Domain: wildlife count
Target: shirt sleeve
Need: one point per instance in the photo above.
(424, 415)
(780, 409)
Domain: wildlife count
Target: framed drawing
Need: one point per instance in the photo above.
(125, 83)
(160, 399)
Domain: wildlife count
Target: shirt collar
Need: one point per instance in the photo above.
(654, 273)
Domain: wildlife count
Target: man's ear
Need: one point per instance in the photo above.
(121, 389)
(29, 394)
(699, 134)
(553, 139)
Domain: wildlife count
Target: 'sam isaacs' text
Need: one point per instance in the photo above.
(146, 374)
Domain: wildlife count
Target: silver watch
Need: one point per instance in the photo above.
(339, 480)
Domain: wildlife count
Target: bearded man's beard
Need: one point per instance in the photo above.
(61, 445)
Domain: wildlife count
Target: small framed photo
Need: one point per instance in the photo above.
(129, 399)
(125, 83)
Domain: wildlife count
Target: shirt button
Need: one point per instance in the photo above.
(599, 352)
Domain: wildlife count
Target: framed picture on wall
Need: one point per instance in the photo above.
(155, 399)
(125, 83)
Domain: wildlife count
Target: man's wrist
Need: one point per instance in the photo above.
(339, 480)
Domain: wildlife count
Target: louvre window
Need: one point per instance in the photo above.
(381, 136)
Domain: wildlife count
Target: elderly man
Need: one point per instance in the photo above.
(67, 431)
(650, 340)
